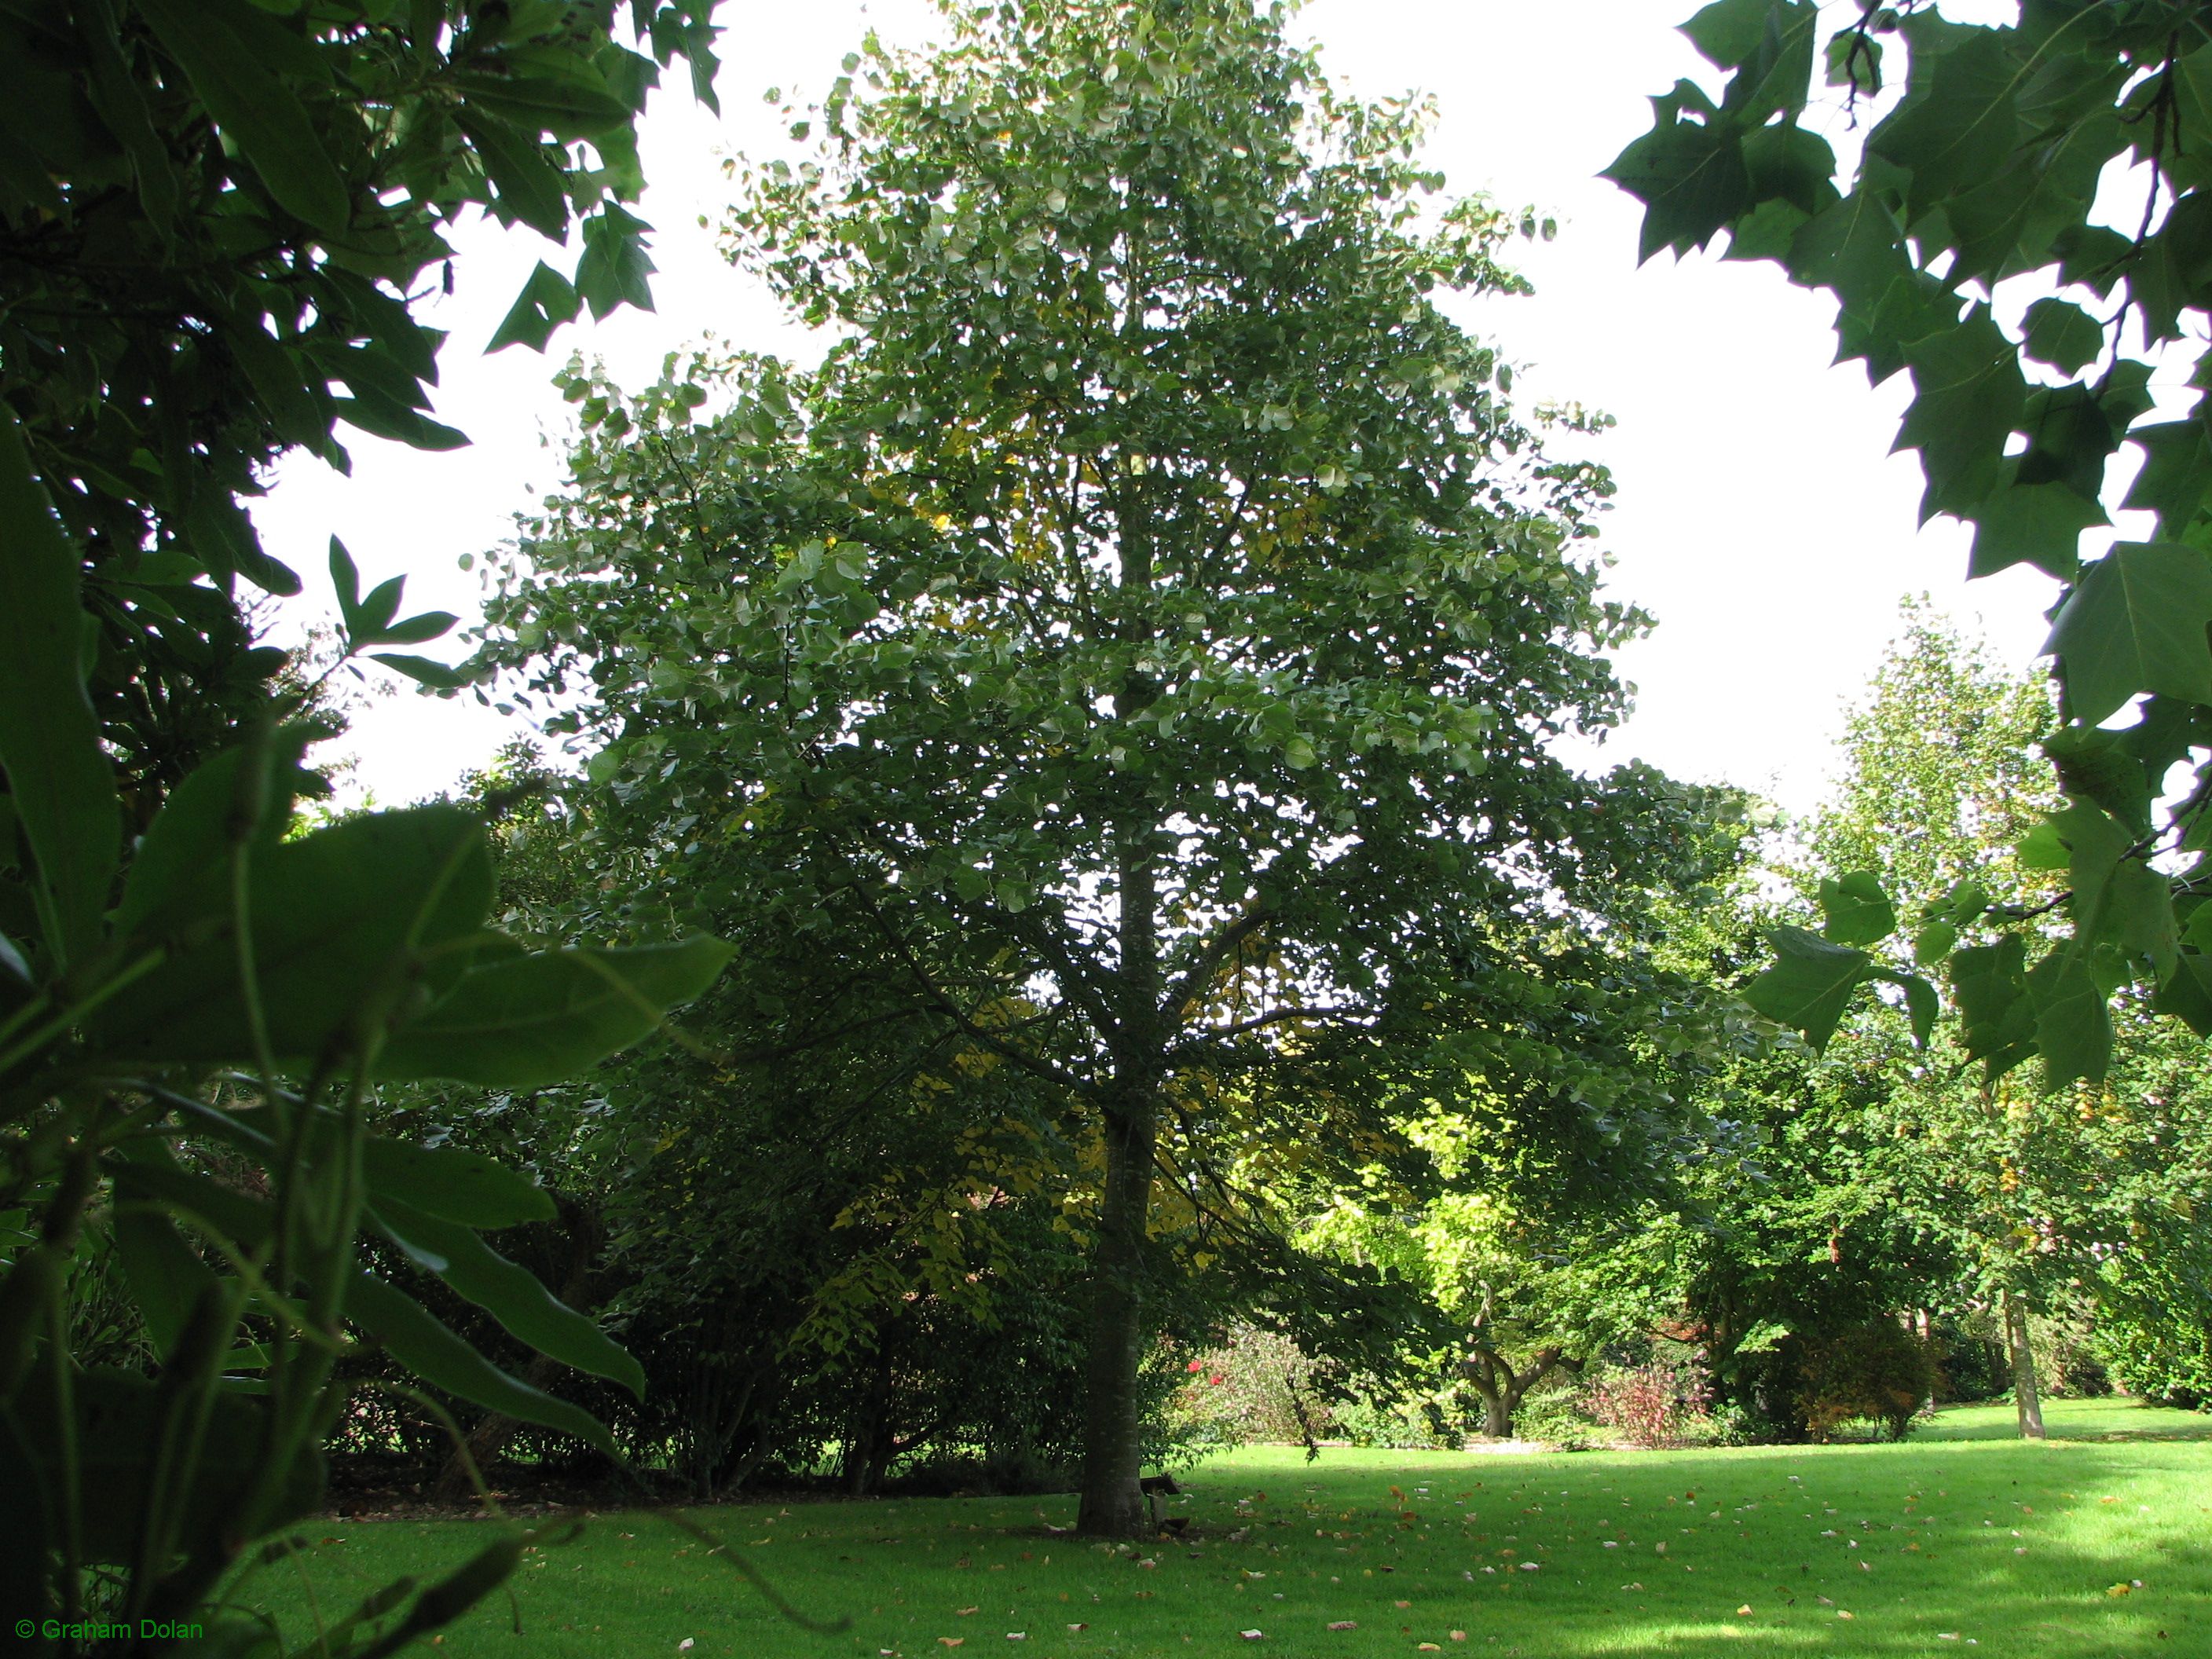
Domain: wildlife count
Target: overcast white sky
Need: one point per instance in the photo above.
(1759, 516)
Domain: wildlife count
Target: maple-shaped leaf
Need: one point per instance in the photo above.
(1810, 985)
(1971, 397)
(2135, 621)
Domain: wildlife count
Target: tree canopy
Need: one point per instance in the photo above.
(1150, 622)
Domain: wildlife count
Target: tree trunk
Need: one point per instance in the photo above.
(581, 1233)
(1113, 1505)
(2027, 1397)
(1502, 1390)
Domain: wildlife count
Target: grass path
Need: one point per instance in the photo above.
(1960, 1540)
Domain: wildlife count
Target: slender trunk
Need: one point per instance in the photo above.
(2027, 1397)
(1113, 1505)
(581, 1232)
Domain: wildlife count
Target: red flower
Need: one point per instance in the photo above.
(1195, 1366)
(1215, 1379)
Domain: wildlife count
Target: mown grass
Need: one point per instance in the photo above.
(1961, 1539)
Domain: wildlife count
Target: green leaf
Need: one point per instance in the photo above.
(2185, 994)
(615, 266)
(533, 1020)
(1787, 163)
(438, 676)
(453, 1184)
(166, 1274)
(62, 786)
(1854, 62)
(510, 1294)
(382, 417)
(2043, 849)
(345, 578)
(2038, 523)
(342, 919)
(1856, 250)
(1777, 74)
(1971, 395)
(569, 106)
(426, 1347)
(225, 540)
(415, 630)
(255, 109)
(1810, 985)
(2100, 767)
(531, 188)
(2073, 1025)
(2095, 844)
(2138, 916)
(1857, 911)
(1934, 944)
(182, 871)
(2062, 334)
(1727, 32)
(2135, 621)
(547, 300)
(1996, 1019)
(1690, 175)
(2176, 471)
(1966, 125)
(1921, 1004)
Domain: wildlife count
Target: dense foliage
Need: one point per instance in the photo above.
(1146, 628)
(1972, 245)
(208, 214)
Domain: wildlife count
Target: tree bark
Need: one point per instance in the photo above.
(2027, 1395)
(1113, 1504)
(1502, 1390)
(581, 1231)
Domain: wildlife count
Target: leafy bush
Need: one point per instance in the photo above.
(1256, 1387)
(1877, 1371)
(1658, 1403)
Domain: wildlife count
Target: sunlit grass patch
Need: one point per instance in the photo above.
(2084, 1547)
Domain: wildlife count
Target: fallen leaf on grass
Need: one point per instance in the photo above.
(2119, 1590)
(1459, 1636)
(1841, 1613)
(1344, 1624)
(1401, 1604)
(964, 1612)
(1017, 1635)
(1250, 1635)
(1744, 1611)
(1078, 1627)
(1428, 1647)
(952, 1641)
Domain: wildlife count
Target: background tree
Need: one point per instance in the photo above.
(1150, 622)
(1970, 248)
(1988, 1195)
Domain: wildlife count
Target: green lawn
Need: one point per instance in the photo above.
(1959, 1538)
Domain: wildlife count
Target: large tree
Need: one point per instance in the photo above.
(1149, 621)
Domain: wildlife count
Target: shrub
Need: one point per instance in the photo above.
(1257, 1387)
(1654, 1404)
(1878, 1370)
